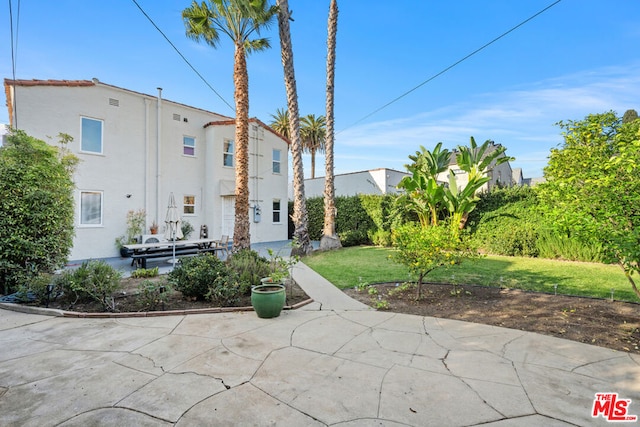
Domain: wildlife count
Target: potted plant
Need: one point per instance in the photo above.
(135, 226)
(269, 297)
(153, 228)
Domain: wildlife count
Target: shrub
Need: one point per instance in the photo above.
(354, 238)
(93, 280)
(249, 266)
(152, 295)
(207, 277)
(506, 221)
(193, 275)
(36, 209)
(554, 245)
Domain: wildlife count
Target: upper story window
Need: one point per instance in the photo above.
(276, 161)
(91, 140)
(276, 211)
(227, 156)
(189, 205)
(188, 146)
(91, 208)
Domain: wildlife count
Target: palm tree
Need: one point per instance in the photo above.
(240, 20)
(300, 215)
(313, 140)
(330, 239)
(280, 122)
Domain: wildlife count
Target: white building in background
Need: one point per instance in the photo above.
(501, 174)
(135, 149)
(375, 181)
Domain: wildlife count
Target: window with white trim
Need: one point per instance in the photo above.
(189, 205)
(91, 135)
(188, 146)
(91, 208)
(276, 211)
(276, 160)
(227, 155)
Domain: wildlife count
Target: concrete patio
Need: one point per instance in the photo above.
(333, 362)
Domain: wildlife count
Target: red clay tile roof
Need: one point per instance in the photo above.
(251, 120)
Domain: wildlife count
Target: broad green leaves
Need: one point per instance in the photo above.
(593, 186)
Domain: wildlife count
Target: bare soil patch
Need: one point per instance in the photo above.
(605, 323)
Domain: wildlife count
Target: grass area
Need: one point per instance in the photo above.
(346, 267)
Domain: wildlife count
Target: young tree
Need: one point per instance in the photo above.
(240, 20)
(593, 187)
(36, 208)
(330, 239)
(300, 215)
(423, 249)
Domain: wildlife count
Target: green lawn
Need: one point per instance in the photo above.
(346, 267)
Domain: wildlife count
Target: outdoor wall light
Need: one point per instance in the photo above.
(128, 196)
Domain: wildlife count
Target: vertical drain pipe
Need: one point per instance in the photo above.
(158, 156)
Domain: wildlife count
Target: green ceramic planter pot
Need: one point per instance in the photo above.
(267, 300)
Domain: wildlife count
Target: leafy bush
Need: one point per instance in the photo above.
(354, 238)
(193, 275)
(36, 209)
(249, 266)
(152, 295)
(207, 277)
(93, 280)
(506, 221)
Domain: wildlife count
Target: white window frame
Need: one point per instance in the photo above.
(275, 211)
(184, 145)
(185, 205)
(230, 154)
(81, 222)
(276, 162)
(82, 150)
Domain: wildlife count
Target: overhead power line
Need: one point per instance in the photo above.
(452, 65)
(182, 56)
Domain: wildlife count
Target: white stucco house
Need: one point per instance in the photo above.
(501, 174)
(375, 181)
(135, 149)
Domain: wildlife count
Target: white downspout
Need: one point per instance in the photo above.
(146, 155)
(158, 156)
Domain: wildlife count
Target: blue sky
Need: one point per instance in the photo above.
(578, 57)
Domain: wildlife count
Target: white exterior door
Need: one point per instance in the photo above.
(228, 215)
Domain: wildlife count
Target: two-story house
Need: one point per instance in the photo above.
(501, 174)
(135, 149)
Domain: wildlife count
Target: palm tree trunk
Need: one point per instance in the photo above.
(241, 236)
(313, 164)
(300, 216)
(330, 239)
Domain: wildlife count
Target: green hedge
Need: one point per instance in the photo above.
(361, 219)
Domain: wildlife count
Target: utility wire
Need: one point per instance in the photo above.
(452, 65)
(182, 56)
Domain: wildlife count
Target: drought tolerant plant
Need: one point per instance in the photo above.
(153, 294)
(93, 280)
(250, 266)
(205, 277)
(135, 227)
(145, 272)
